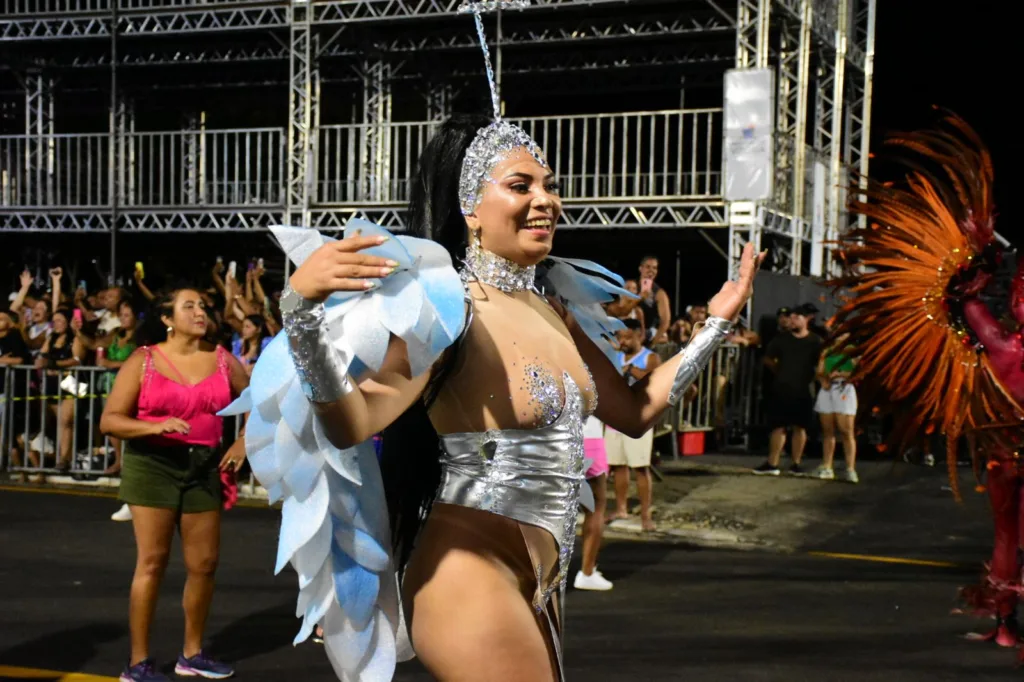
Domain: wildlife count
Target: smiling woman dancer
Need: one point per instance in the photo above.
(481, 381)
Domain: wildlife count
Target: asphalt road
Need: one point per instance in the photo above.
(676, 613)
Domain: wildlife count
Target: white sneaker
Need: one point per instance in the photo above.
(824, 473)
(122, 514)
(929, 460)
(594, 581)
(850, 476)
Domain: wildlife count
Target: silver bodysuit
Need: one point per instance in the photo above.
(532, 476)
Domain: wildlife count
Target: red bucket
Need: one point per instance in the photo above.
(691, 443)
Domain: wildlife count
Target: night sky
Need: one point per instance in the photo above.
(956, 60)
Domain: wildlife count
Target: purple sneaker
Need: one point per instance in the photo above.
(202, 665)
(144, 671)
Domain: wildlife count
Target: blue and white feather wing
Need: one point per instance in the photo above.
(584, 286)
(334, 525)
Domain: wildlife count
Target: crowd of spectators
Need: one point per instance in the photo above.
(61, 344)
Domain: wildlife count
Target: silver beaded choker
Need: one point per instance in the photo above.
(495, 271)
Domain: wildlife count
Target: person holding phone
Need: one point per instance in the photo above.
(653, 302)
(164, 405)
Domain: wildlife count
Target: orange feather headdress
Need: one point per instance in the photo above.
(925, 245)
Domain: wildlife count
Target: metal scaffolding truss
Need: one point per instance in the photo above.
(345, 11)
(154, 55)
(236, 16)
(148, 221)
(223, 17)
(834, 40)
(376, 152)
(679, 54)
(54, 221)
(303, 113)
(199, 221)
(204, 20)
(587, 30)
(856, 144)
(582, 216)
(55, 28)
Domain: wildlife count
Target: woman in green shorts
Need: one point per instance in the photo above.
(164, 406)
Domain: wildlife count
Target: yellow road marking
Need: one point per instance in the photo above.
(7, 671)
(242, 502)
(886, 559)
(57, 491)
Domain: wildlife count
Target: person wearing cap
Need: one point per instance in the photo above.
(782, 318)
(793, 360)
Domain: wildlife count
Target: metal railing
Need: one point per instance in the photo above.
(153, 169)
(709, 410)
(637, 155)
(352, 169)
(49, 424)
(55, 170)
(633, 155)
(49, 421)
(14, 8)
(203, 168)
(645, 155)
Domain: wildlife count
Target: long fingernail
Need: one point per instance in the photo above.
(369, 284)
(391, 263)
(384, 272)
(381, 240)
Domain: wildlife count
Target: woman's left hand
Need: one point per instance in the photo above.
(731, 298)
(234, 457)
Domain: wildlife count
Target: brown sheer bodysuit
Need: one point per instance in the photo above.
(508, 375)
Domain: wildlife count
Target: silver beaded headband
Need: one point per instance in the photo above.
(495, 142)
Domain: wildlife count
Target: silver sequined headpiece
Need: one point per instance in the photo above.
(495, 142)
(489, 148)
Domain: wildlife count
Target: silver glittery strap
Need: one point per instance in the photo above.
(322, 368)
(695, 357)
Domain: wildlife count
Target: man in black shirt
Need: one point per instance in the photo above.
(793, 359)
(13, 350)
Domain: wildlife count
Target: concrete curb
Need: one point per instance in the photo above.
(630, 529)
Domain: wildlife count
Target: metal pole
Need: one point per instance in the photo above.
(679, 277)
(114, 130)
(497, 63)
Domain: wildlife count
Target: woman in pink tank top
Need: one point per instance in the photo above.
(164, 406)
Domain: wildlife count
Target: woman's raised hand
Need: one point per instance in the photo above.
(731, 298)
(339, 266)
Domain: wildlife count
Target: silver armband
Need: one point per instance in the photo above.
(322, 369)
(695, 357)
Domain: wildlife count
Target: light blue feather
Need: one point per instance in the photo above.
(355, 587)
(334, 521)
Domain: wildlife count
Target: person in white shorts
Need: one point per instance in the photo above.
(837, 408)
(625, 453)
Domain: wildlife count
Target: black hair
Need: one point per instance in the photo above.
(649, 256)
(410, 451)
(152, 329)
(131, 304)
(261, 327)
(632, 324)
(69, 332)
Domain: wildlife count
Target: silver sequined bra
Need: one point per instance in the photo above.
(529, 475)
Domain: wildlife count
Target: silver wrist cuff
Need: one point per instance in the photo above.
(322, 369)
(695, 357)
